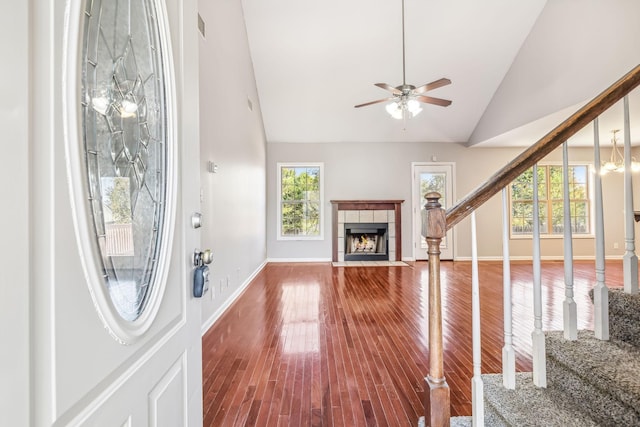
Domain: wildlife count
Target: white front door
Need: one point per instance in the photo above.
(115, 330)
(429, 177)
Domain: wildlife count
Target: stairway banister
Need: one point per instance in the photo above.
(544, 146)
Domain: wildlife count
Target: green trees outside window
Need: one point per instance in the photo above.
(551, 200)
(300, 200)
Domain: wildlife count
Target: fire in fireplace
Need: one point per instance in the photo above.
(366, 242)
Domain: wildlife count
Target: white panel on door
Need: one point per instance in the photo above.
(168, 399)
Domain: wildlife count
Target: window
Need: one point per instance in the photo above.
(300, 201)
(127, 161)
(551, 201)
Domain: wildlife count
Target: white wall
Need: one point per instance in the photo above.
(576, 51)
(232, 136)
(383, 171)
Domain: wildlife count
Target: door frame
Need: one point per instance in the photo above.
(16, 250)
(417, 203)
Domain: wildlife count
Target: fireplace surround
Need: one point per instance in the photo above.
(375, 213)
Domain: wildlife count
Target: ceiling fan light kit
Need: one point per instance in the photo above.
(406, 99)
(397, 109)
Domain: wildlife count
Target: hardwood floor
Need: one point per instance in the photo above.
(316, 345)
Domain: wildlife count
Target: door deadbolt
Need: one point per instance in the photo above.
(196, 220)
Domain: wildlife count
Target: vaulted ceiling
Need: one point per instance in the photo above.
(517, 68)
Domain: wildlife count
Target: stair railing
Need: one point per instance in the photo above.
(436, 222)
(544, 146)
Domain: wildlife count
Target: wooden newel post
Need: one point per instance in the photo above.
(434, 228)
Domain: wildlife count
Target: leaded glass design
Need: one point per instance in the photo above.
(430, 182)
(124, 115)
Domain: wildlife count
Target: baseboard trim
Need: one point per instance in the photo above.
(232, 298)
(274, 260)
(542, 258)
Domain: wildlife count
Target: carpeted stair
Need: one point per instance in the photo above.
(599, 377)
(528, 405)
(624, 317)
(590, 382)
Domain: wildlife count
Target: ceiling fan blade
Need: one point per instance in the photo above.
(391, 89)
(374, 102)
(433, 85)
(435, 101)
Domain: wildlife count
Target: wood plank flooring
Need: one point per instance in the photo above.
(316, 345)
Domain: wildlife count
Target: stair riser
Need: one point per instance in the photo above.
(624, 317)
(492, 417)
(622, 328)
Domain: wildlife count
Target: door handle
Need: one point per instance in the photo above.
(205, 257)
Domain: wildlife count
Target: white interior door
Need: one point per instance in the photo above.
(115, 331)
(431, 177)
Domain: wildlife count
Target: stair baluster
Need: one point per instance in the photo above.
(537, 336)
(508, 353)
(570, 311)
(630, 260)
(600, 291)
(477, 389)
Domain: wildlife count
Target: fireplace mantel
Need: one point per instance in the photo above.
(366, 205)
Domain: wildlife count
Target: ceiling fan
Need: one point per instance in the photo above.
(407, 98)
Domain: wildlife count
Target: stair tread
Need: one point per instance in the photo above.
(490, 420)
(529, 405)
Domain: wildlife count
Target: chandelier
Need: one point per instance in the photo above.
(616, 161)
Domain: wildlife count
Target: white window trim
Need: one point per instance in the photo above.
(591, 182)
(279, 166)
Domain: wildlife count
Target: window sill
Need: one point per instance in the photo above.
(552, 236)
(299, 238)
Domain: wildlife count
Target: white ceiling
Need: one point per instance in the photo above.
(314, 61)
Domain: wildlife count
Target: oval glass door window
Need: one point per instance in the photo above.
(126, 136)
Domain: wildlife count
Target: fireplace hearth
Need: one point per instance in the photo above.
(366, 242)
